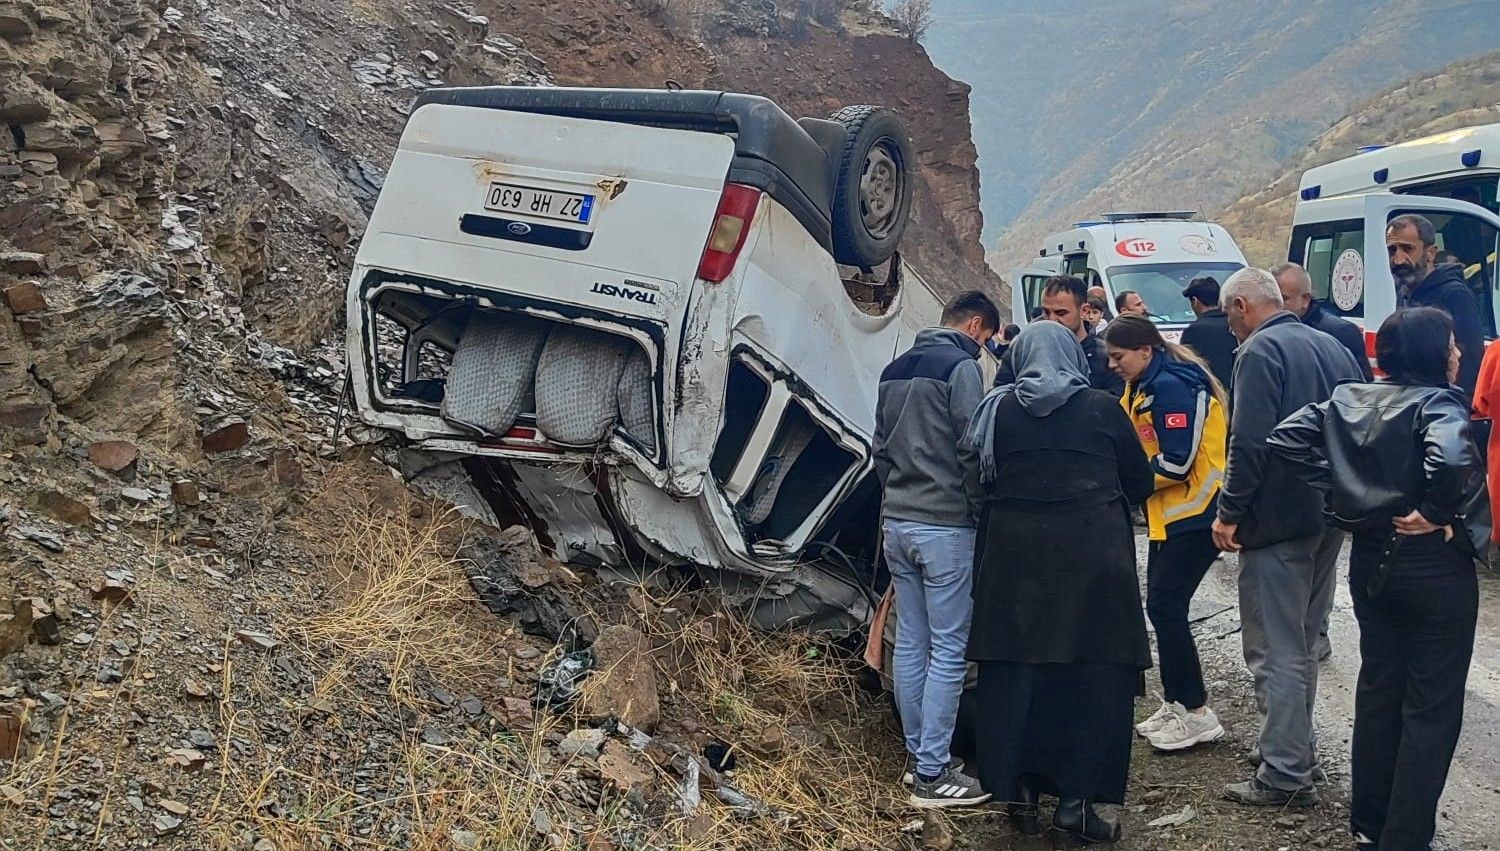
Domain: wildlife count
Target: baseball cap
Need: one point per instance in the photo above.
(1204, 288)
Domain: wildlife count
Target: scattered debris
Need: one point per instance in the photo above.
(560, 682)
(1181, 817)
(720, 756)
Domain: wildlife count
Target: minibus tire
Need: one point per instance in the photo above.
(873, 186)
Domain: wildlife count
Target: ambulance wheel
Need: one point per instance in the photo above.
(873, 189)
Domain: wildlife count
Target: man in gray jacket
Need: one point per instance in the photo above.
(929, 515)
(1275, 521)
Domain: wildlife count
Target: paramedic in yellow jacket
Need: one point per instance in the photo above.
(1178, 409)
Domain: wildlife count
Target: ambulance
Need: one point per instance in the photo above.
(1154, 254)
(1338, 229)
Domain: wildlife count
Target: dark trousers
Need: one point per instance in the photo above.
(1174, 570)
(1416, 636)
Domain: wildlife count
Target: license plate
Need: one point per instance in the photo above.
(541, 203)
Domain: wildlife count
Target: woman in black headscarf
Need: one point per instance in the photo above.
(1058, 632)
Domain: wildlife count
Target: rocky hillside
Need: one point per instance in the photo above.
(1083, 106)
(172, 168)
(1460, 95)
(223, 627)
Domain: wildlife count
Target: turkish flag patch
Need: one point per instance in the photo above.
(1175, 421)
(1147, 433)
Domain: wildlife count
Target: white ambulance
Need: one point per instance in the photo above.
(1154, 254)
(1338, 229)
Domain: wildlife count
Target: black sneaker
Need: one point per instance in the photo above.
(1257, 794)
(909, 772)
(952, 788)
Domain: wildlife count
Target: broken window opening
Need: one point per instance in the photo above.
(485, 371)
(390, 354)
(434, 361)
(805, 453)
(745, 398)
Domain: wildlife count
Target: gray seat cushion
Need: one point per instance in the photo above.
(490, 383)
(577, 385)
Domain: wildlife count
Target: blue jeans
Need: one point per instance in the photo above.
(932, 569)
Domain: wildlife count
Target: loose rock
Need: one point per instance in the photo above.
(623, 684)
(167, 825)
(185, 493)
(113, 455)
(15, 626)
(24, 298)
(258, 640)
(226, 437)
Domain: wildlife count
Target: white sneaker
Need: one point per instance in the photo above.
(1187, 729)
(1157, 721)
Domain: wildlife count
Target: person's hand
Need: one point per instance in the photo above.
(1415, 524)
(1224, 536)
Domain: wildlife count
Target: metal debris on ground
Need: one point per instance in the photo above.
(559, 683)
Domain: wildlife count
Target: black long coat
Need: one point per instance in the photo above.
(1055, 578)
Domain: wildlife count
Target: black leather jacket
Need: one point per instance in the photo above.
(1376, 451)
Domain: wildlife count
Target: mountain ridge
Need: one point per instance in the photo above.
(1233, 89)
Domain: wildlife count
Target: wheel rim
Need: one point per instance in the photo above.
(880, 188)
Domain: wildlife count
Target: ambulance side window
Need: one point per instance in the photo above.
(1469, 243)
(1031, 288)
(1333, 254)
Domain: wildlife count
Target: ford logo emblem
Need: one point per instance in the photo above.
(518, 228)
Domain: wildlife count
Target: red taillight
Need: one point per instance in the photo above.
(731, 227)
(520, 439)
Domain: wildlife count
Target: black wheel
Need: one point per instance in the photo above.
(873, 192)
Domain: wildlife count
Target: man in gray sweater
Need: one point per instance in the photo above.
(1274, 520)
(929, 515)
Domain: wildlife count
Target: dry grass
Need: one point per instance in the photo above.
(401, 599)
(336, 759)
(809, 744)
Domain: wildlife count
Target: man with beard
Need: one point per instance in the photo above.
(1411, 244)
(1063, 299)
